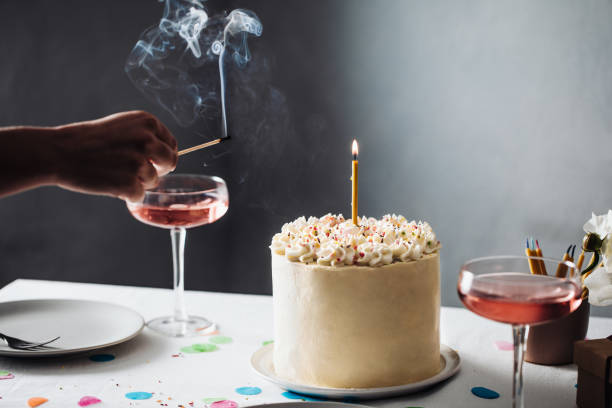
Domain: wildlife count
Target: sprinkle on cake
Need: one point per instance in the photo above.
(331, 240)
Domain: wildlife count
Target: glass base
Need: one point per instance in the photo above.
(169, 326)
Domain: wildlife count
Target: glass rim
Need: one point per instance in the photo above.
(569, 264)
(216, 179)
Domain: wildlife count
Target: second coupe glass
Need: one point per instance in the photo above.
(503, 289)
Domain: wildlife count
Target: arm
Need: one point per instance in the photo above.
(120, 155)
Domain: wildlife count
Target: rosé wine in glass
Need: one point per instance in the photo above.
(181, 201)
(181, 215)
(518, 298)
(502, 288)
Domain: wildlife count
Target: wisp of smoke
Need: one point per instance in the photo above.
(178, 62)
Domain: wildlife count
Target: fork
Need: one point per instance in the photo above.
(19, 344)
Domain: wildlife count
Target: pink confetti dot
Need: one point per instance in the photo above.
(87, 400)
(504, 345)
(7, 377)
(224, 404)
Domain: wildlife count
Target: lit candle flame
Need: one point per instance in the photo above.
(355, 149)
(355, 183)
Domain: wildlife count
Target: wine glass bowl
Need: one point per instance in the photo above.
(490, 287)
(181, 201)
(504, 289)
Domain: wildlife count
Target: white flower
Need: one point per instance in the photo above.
(599, 283)
(599, 224)
(602, 226)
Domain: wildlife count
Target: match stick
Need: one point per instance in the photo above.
(533, 265)
(571, 259)
(580, 261)
(202, 146)
(562, 268)
(541, 265)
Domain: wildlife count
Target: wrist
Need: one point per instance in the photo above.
(57, 156)
(48, 153)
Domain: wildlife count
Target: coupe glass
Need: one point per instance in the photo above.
(181, 201)
(502, 288)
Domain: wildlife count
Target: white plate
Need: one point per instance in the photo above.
(262, 363)
(316, 404)
(82, 325)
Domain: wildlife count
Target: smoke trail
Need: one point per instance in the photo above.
(173, 63)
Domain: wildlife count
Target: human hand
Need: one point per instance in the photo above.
(119, 155)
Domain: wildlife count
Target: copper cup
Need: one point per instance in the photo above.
(553, 343)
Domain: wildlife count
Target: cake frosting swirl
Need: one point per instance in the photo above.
(333, 241)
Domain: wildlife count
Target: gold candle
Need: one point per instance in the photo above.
(355, 179)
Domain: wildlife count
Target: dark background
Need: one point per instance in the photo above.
(490, 120)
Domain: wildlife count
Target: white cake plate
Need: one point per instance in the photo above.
(262, 363)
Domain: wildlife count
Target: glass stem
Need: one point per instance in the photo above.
(178, 264)
(519, 331)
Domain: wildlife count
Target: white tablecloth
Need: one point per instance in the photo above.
(147, 363)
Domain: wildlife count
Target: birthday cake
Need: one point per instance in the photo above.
(356, 306)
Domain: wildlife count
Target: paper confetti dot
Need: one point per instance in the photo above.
(292, 395)
(138, 395)
(88, 400)
(220, 340)
(248, 390)
(8, 376)
(36, 401)
(4, 372)
(212, 333)
(210, 400)
(265, 343)
(102, 358)
(224, 404)
(199, 348)
(482, 392)
(504, 345)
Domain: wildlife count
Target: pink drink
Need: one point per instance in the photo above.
(518, 298)
(180, 215)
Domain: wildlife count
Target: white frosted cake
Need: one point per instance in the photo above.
(356, 306)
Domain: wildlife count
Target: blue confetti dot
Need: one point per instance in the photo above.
(482, 392)
(293, 395)
(138, 395)
(248, 390)
(102, 358)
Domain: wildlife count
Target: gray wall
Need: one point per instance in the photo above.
(491, 120)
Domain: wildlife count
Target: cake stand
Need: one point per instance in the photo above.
(262, 363)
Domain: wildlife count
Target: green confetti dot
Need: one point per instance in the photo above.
(212, 399)
(204, 347)
(199, 348)
(189, 349)
(265, 343)
(4, 373)
(220, 340)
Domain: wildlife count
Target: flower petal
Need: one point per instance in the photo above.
(599, 283)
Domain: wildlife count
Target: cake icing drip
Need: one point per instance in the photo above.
(331, 240)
